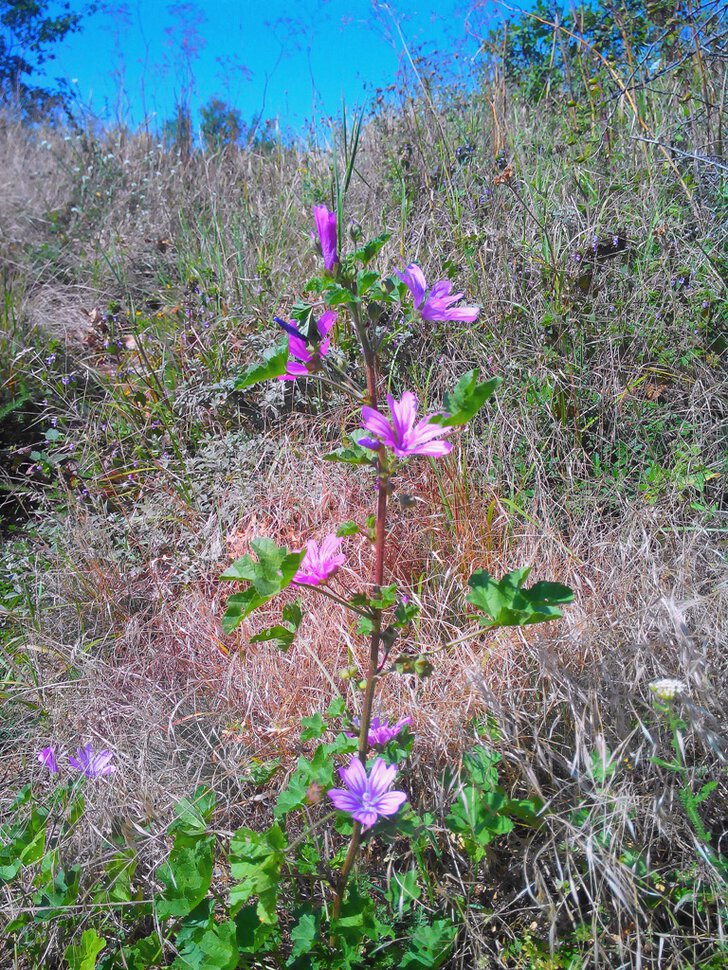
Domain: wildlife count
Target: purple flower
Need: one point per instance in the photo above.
(90, 764)
(366, 798)
(403, 435)
(306, 361)
(326, 228)
(437, 303)
(320, 562)
(381, 732)
(47, 757)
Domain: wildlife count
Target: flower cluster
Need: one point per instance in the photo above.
(90, 765)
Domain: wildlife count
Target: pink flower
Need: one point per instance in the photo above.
(48, 758)
(403, 435)
(437, 303)
(306, 361)
(367, 798)
(90, 764)
(320, 562)
(381, 732)
(326, 228)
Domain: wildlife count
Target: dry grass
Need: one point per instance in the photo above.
(121, 642)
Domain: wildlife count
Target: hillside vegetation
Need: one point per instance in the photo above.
(561, 812)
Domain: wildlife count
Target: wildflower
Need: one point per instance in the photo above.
(47, 757)
(381, 732)
(403, 436)
(326, 228)
(367, 797)
(320, 562)
(306, 361)
(92, 765)
(667, 688)
(435, 304)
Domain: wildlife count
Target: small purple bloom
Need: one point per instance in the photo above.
(403, 435)
(320, 562)
(435, 304)
(47, 757)
(326, 228)
(306, 361)
(381, 732)
(367, 798)
(92, 765)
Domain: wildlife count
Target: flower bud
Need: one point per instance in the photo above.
(355, 231)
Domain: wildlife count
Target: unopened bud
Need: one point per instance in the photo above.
(355, 231)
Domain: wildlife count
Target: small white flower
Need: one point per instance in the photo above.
(667, 688)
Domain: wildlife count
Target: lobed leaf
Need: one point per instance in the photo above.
(465, 400)
(273, 365)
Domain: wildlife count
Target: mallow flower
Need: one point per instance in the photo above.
(48, 758)
(367, 797)
(404, 435)
(326, 228)
(320, 562)
(435, 304)
(306, 361)
(92, 765)
(382, 732)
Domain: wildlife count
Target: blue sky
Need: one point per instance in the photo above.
(294, 59)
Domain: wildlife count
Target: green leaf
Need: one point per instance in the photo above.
(210, 946)
(507, 603)
(82, 956)
(186, 876)
(313, 727)
(285, 633)
(352, 453)
(239, 606)
(193, 815)
(478, 818)
(349, 528)
(143, 954)
(272, 573)
(429, 946)
(274, 365)
(465, 400)
(304, 935)
(337, 707)
(403, 890)
(256, 859)
(336, 295)
(366, 253)
(365, 280)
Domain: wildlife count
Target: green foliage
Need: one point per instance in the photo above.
(29, 30)
(256, 860)
(482, 811)
(272, 573)
(82, 956)
(284, 633)
(466, 399)
(273, 365)
(507, 603)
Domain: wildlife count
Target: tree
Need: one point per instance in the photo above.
(221, 125)
(29, 29)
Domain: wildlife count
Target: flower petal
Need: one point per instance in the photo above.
(355, 777)
(414, 279)
(390, 802)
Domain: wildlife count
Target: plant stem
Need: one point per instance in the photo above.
(371, 683)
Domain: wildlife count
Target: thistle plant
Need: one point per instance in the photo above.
(378, 308)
